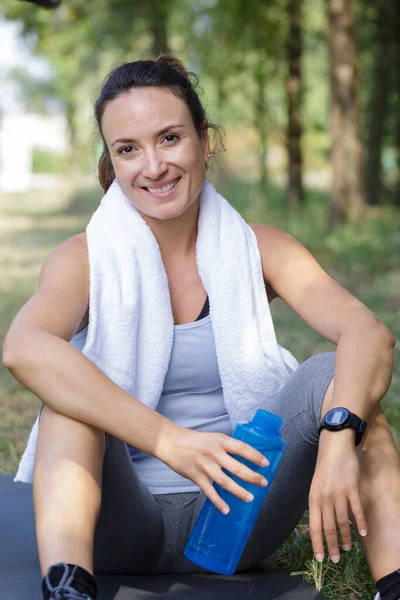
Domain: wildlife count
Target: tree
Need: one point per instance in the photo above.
(295, 191)
(158, 20)
(382, 44)
(396, 29)
(347, 199)
(240, 45)
(83, 44)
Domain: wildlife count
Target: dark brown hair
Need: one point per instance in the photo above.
(163, 71)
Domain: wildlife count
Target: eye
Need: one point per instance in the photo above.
(128, 149)
(171, 135)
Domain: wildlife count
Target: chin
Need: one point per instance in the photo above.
(166, 215)
(162, 213)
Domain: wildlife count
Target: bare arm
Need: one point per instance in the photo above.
(38, 354)
(363, 371)
(364, 357)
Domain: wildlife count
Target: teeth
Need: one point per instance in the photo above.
(166, 188)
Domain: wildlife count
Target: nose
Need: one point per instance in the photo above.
(154, 164)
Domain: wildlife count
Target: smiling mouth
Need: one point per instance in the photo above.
(162, 189)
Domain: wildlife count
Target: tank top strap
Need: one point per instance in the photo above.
(205, 310)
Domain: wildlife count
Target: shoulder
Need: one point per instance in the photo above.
(71, 255)
(76, 249)
(271, 237)
(76, 245)
(271, 242)
(79, 240)
(277, 248)
(286, 263)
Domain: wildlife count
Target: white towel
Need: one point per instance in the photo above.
(131, 325)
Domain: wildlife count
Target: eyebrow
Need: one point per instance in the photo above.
(163, 130)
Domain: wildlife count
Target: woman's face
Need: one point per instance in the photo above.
(157, 154)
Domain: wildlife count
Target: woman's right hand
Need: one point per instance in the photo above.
(202, 456)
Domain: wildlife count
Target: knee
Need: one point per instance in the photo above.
(316, 379)
(379, 458)
(59, 431)
(326, 402)
(319, 364)
(47, 417)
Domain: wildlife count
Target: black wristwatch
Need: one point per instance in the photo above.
(340, 418)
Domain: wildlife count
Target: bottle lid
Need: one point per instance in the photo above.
(267, 420)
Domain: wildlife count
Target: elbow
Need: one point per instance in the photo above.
(377, 330)
(11, 355)
(387, 336)
(8, 358)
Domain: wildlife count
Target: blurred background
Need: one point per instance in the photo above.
(308, 92)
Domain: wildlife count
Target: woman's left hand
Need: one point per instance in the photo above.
(335, 487)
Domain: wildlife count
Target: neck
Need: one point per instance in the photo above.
(176, 237)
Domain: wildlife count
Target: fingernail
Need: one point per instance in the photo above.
(225, 510)
(335, 558)
(249, 497)
(264, 462)
(319, 557)
(264, 482)
(363, 532)
(346, 547)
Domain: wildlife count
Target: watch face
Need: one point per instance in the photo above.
(337, 416)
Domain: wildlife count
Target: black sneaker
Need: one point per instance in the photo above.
(64, 591)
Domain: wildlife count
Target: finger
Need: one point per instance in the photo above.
(329, 525)
(316, 530)
(342, 518)
(205, 484)
(241, 471)
(229, 484)
(237, 447)
(358, 513)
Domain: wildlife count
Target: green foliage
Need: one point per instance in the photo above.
(47, 162)
(235, 47)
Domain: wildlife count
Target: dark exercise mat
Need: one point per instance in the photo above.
(20, 577)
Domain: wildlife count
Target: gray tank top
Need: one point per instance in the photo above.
(191, 397)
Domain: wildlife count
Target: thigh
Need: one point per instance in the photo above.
(129, 531)
(299, 404)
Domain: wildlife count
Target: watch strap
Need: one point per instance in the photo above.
(359, 425)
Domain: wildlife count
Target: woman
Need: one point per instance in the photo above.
(118, 485)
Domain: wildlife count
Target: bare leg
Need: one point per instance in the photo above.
(380, 496)
(67, 489)
(380, 492)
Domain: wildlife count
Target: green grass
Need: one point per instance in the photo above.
(364, 260)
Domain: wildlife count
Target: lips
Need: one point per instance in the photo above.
(163, 188)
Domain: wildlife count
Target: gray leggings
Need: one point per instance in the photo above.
(138, 532)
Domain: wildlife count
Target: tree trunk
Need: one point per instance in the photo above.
(379, 102)
(71, 111)
(294, 87)
(159, 26)
(396, 66)
(347, 200)
(221, 93)
(261, 124)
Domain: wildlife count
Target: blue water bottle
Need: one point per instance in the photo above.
(217, 541)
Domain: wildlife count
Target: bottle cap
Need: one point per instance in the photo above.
(267, 420)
